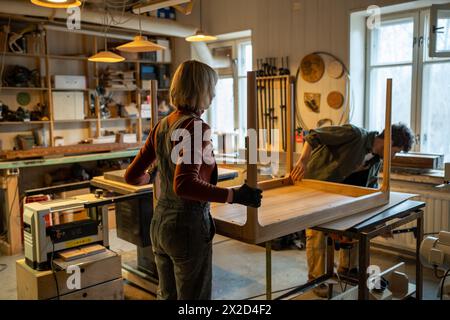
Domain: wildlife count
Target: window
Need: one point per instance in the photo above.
(245, 62)
(398, 49)
(440, 31)
(228, 113)
(222, 112)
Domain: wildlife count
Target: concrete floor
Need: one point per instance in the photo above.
(239, 271)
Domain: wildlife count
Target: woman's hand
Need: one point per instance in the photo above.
(299, 170)
(247, 196)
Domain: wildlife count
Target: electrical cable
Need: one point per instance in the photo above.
(447, 273)
(277, 291)
(11, 209)
(2, 69)
(53, 269)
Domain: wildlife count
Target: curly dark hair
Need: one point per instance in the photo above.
(402, 136)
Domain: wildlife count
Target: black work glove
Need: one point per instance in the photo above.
(247, 196)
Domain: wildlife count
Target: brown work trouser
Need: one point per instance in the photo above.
(315, 255)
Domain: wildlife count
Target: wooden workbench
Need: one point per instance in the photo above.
(10, 173)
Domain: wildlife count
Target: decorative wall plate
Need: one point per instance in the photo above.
(312, 67)
(335, 69)
(335, 99)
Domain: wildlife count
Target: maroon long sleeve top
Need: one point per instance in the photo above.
(192, 181)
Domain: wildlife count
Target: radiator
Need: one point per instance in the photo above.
(436, 218)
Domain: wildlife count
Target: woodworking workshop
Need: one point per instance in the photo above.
(244, 150)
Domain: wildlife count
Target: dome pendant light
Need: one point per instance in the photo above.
(106, 56)
(58, 4)
(200, 36)
(140, 43)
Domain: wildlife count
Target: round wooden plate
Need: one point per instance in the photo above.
(335, 100)
(312, 67)
(335, 69)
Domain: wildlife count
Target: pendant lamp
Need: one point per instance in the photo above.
(106, 56)
(140, 43)
(58, 4)
(200, 35)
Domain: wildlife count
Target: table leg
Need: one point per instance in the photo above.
(364, 260)
(330, 257)
(268, 270)
(419, 268)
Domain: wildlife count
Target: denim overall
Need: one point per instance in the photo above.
(181, 231)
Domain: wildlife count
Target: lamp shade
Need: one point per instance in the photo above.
(63, 4)
(106, 57)
(200, 36)
(140, 44)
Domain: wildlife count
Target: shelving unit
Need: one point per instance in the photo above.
(65, 58)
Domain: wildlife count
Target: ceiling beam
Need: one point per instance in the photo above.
(154, 5)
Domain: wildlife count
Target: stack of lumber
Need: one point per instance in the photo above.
(417, 160)
(81, 252)
(116, 79)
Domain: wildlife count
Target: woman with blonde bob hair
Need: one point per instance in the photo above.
(182, 228)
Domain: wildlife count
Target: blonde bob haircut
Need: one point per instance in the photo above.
(193, 86)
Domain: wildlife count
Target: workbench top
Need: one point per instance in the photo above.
(67, 160)
(434, 177)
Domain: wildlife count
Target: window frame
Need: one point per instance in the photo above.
(234, 72)
(433, 17)
(421, 58)
(368, 66)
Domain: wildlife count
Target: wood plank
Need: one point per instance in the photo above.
(353, 191)
(12, 211)
(119, 187)
(67, 150)
(387, 140)
(418, 161)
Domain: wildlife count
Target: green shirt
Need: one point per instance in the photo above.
(338, 151)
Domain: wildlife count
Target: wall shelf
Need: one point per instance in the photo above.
(71, 90)
(23, 122)
(23, 89)
(119, 119)
(22, 55)
(62, 56)
(74, 121)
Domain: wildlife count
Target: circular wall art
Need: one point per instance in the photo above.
(335, 100)
(312, 67)
(23, 98)
(335, 69)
